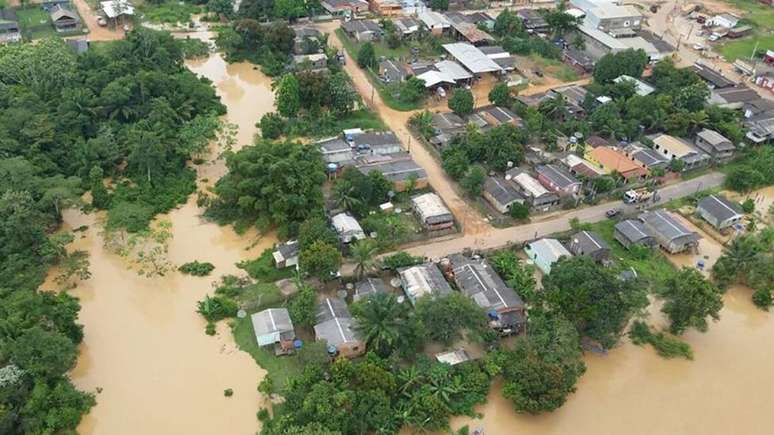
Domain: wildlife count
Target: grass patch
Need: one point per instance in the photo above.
(172, 12)
(35, 23)
(380, 49)
(262, 268)
(761, 17)
(554, 68)
(758, 14)
(650, 264)
(743, 48)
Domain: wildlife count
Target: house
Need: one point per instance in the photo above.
(335, 326)
(385, 8)
(598, 43)
(368, 287)
(63, 19)
(675, 148)
(423, 280)
(556, 179)
(715, 144)
(453, 357)
(362, 30)
(407, 26)
(476, 279)
(714, 79)
(336, 151)
(9, 26)
(445, 126)
(732, 97)
(574, 95)
(310, 62)
(595, 141)
(757, 107)
(760, 127)
(533, 20)
(376, 142)
(344, 7)
(307, 40)
(545, 252)
(453, 71)
(632, 232)
(640, 88)
(578, 60)
(464, 29)
(398, 168)
(612, 160)
(473, 59)
(611, 18)
(719, 211)
(432, 212)
(501, 194)
(590, 244)
(435, 22)
(286, 254)
(392, 71)
(273, 327)
(647, 158)
(580, 167)
(538, 196)
(79, 46)
(347, 227)
(669, 233)
(493, 116)
(117, 10)
(727, 21)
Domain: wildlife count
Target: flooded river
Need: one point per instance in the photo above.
(145, 347)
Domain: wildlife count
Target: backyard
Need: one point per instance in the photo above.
(35, 23)
(169, 12)
(761, 17)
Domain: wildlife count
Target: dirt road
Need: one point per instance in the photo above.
(470, 220)
(96, 32)
(498, 238)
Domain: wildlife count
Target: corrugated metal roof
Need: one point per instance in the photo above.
(472, 58)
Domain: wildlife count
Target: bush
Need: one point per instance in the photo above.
(762, 298)
(210, 328)
(216, 308)
(272, 125)
(519, 211)
(666, 346)
(401, 259)
(748, 206)
(228, 392)
(366, 56)
(461, 101)
(196, 268)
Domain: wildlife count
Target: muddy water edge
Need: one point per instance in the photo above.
(727, 388)
(145, 349)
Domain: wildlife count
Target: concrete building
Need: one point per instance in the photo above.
(310, 62)
(612, 160)
(632, 232)
(286, 254)
(675, 148)
(9, 26)
(385, 8)
(368, 287)
(362, 30)
(432, 212)
(376, 142)
(719, 148)
(335, 150)
(476, 279)
(640, 88)
(398, 168)
(423, 280)
(556, 179)
(545, 252)
(392, 71)
(590, 244)
(433, 21)
(501, 194)
(493, 116)
(647, 158)
(335, 326)
(719, 211)
(344, 7)
(473, 59)
(670, 233)
(580, 167)
(538, 197)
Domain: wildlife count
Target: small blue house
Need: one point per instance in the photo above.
(545, 252)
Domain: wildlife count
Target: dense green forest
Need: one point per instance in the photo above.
(127, 111)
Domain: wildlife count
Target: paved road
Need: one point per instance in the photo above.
(498, 238)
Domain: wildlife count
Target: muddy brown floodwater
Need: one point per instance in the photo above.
(727, 388)
(144, 345)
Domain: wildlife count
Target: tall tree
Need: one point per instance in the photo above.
(384, 324)
(689, 300)
(613, 65)
(288, 98)
(364, 253)
(461, 101)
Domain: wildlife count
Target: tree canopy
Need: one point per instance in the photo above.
(689, 300)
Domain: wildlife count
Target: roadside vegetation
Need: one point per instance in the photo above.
(749, 260)
(761, 18)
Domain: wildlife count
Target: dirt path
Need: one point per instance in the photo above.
(96, 32)
(471, 221)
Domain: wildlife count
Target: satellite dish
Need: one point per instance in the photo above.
(349, 286)
(508, 177)
(241, 314)
(395, 282)
(510, 163)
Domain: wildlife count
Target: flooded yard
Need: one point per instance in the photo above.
(145, 350)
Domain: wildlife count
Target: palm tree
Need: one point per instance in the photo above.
(380, 320)
(344, 194)
(363, 252)
(736, 261)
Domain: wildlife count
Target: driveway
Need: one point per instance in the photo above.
(96, 32)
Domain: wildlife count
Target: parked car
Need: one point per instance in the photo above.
(613, 212)
(538, 72)
(102, 21)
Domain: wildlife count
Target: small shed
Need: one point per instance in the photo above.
(423, 280)
(286, 254)
(719, 211)
(347, 228)
(273, 326)
(632, 232)
(432, 212)
(545, 252)
(453, 357)
(368, 287)
(590, 244)
(670, 233)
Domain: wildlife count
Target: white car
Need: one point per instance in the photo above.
(699, 47)
(102, 21)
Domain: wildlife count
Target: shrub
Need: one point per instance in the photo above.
(272, 125)
(519, 211)
(762, 298)
(461, 101)
(401, 259)
(748, 206)
(666, 346)
(210, 328)
(216, 308)
(196, 268)
(228, 392)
